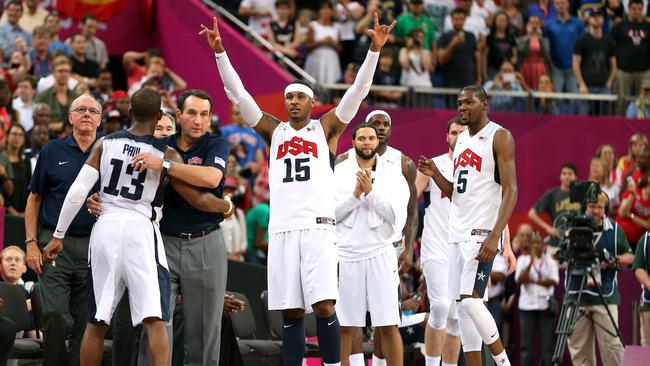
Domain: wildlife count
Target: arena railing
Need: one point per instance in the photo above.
(264, 44)
(514, 101)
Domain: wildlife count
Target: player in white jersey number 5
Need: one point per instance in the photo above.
(303, 257)
(483, 194)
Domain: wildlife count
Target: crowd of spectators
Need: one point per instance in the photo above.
(583, 46)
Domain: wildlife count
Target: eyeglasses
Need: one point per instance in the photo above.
(83, 110)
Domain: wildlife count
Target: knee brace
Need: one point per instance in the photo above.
(482, 319)
(453, 329)
(438, 314)
(469, 337)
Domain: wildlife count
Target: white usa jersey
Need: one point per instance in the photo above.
(123, 189)
(301, 179)
(477, 195)
(393, 157)
(435, 233)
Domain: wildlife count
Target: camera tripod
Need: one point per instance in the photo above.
(571, 312)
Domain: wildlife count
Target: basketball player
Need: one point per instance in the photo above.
(400, 163)
(483, 194)
(371, 202)
(121, 257)
(435, 262)
(302, 257)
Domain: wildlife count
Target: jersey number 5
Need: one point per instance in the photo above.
(124, 191)
(462, 181)
(302, 172)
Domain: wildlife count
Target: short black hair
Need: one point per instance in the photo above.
(74, 37)
(455, 119)
(15, 2)
(459, 11)
(363, 125)
(105, 71)
(569, 165)
(154, 52)
(202, 94)
(26, 78)
(279, 3)
(478, 91)
(153, 82)
(303, 82)
(88, 16)
(145, 104)
(634, 2)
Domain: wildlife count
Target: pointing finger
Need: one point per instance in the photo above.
(376, 17)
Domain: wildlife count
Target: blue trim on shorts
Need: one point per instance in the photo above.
(481, 277)
(164, 280)
(92, 304)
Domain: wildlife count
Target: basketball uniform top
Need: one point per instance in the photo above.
(122, 189)
(394, 159)
(477, 190)
(435, 231)
(301, 179)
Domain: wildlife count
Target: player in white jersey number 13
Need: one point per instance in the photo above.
(483, 194)
(303, 257)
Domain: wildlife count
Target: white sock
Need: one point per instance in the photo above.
(449, 364)
(501, 359)
(432, 360)
(357, 360)
(376, 361)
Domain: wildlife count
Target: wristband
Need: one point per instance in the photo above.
(31, 240)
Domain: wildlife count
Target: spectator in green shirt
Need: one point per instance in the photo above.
(416, 18)
(257, 225)
(641, 268)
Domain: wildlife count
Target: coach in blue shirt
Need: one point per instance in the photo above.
(562, 32)
(63, 283)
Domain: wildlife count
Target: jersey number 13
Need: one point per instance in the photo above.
(125, 191)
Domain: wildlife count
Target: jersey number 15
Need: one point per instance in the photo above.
(302, 172)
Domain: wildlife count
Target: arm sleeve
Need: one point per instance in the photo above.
(236, 92)
(343, 208)
(349, 104)
(639, 256)
(217, 155)
(383, 207)
(75, 198)
(622, 245)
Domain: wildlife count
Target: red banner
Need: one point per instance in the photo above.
(103, 9)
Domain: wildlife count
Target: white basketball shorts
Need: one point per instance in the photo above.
(126, 251)
(369, 285)
(466, 274)
(302, 268)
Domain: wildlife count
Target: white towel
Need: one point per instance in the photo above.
(392, 187)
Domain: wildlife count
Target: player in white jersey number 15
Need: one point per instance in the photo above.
(483, 194)
(303, 256)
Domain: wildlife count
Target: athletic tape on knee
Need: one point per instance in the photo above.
(438, 314)
(483, 320)
(469, 336)
(453, 328)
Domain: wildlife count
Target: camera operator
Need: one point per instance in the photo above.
(595, 321)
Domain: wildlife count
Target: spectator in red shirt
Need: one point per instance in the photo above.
(634, 211)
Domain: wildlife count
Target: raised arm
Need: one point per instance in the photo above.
(336, 120)
(263, 123)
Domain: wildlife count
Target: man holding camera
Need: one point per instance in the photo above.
(594, 319)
